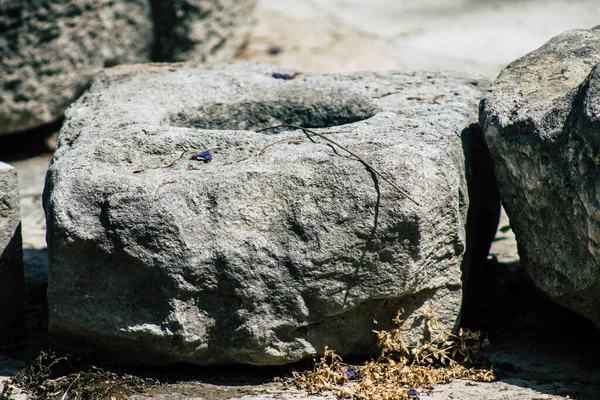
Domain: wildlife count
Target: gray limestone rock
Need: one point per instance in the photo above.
(11, 252)
(201, 30)
(280, 245)
(541, 124)
(49, 50)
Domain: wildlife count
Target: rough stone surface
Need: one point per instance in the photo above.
(50, 49)
(266, 254)
(11, 255)
(200, 30)
(541, 124)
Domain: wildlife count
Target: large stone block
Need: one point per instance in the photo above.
(280, 245)
(11, 251)
(541, 124)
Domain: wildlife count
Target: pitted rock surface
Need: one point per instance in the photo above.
(11, 250)
(277, 247)
(541, 124)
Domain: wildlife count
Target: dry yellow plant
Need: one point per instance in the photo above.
(400, 369)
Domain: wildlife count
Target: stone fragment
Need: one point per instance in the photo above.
(281, 244)
(11, 252)
(50, 49)
(201, 30)
(541, 124)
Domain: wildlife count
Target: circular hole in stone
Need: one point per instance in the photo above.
(290, 104)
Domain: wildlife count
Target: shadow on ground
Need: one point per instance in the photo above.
(30, 143)
(535, 343)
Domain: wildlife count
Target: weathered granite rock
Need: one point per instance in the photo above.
(277, 247)
(49, 50)
(11, 252)
(540, 120)
(200, 30)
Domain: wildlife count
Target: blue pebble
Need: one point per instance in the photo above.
(350, 372)
(277, 75)
(205, 157)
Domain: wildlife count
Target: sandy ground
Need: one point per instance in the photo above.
(480, 36)
(540, 350)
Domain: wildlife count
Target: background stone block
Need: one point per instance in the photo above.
(49, 50)
(201, 30)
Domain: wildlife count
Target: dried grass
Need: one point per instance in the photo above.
(399, 368)
(44, 378)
